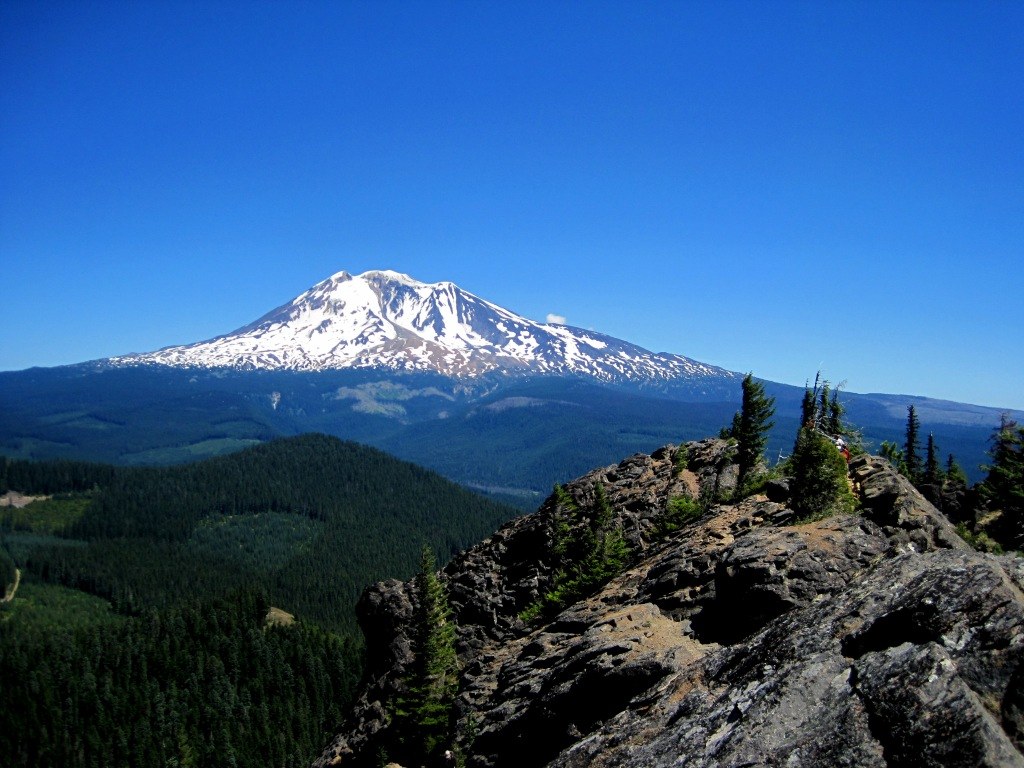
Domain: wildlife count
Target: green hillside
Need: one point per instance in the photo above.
(137, 635)
(311, 519)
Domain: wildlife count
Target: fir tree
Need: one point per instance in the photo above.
(823, 398)
(424, 716)
(892, 453)
(834, 417)
(954, 472)
(586, 552)
(819, 484)
(1003, 488)
(910, 454)
(932, 473)
(930, 483)
(954, 490)
(752, 427)
(809, 404)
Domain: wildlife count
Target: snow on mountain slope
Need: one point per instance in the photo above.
(386, 319)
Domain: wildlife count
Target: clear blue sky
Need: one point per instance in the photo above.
(773, 187)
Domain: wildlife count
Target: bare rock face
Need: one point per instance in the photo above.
(739, 639)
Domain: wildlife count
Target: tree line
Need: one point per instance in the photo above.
(990, 514)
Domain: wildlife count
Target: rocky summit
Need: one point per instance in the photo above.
(743, 637)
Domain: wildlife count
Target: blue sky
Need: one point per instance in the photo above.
(774, 187)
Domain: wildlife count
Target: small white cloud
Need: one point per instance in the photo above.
(554, 319)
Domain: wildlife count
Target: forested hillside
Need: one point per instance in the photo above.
(137, 634)
(310, 519)
(201, 684)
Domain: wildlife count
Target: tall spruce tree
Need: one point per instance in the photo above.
(910, 455)
(930, 483)
(932, 473)
(752, 427)
(809, 404)
(834, 418)
(423, 717)
(1003, 487)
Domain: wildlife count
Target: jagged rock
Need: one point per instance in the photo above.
(890, 500)
(870, 639)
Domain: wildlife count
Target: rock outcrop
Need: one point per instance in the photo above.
(740, 638)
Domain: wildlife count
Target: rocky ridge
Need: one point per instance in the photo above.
(741, 638)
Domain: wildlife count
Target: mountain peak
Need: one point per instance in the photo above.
(387, 319)
(390, 275)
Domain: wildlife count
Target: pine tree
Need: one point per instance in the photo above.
(1003, 487)
(424, 716)
(809, 404)
(954, 490)
(892, 453)
(752, 427)
(930, 483)
(834, 418)
(819, 484)
(932, 473)
(587, 550)
(823, 398)
(954, 472)
(910, 454)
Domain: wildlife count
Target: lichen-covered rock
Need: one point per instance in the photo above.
(892, 502)
(909, 666)
(738, 639)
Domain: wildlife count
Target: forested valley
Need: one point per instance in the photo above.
(142, 631)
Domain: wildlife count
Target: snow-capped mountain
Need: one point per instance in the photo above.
(383, 319)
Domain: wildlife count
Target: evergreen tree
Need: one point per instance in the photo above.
(819, 484)
(954, 472)
(424, 716)
(823, 398)
(910, 454)
(732, 430)
(587, 551)
(834, 417)
(932, 473)
(752, 427)
(8, 571)
(892, 453)
(820, 409)
(930, 483)
(809, 404)
(607, 551)
(954, 490)
(1003, 488)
